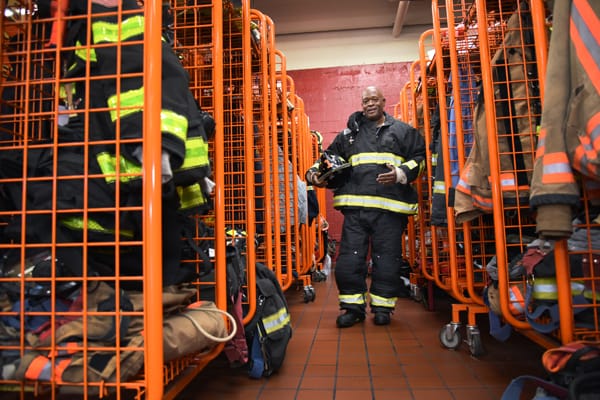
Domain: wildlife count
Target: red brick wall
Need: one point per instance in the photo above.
(330, 95)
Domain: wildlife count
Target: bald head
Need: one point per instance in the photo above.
(373, 103)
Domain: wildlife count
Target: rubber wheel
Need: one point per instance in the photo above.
(476, 346)
(450, 341)
(307, 296)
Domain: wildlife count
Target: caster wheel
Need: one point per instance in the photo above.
(475, 345)
(449, 338)
(306, 297)
(309, 294)
(313, 294)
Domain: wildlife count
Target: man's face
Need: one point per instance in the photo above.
(373, 104)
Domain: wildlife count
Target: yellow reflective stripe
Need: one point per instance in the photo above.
(63, 91)
(81, 51)
(196, 153)
(276, 321)
(235, 232)
(352, 298)
(191, 196)
(131, 102)
(591, 295)
(383, 203)
(412, 164)
(176, 125)
(375, 158)
(109, 32)
(434, 159)
(379, 301)
(76, 223)
(108, 165)
(439, 187)
(546, 289)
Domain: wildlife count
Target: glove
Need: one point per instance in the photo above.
(401, 176)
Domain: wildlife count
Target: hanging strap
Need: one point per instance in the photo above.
(498, 330)
(201, 328)
(258, 362)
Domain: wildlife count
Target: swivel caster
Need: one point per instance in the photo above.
(474, 341)
(450, 336)
(309, 293)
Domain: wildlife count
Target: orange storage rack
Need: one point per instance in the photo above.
(37, 98)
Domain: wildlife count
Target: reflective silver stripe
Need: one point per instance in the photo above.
(382, 203)
(46, 372)
(352, 298)
(439, 187)
(546, 289)
(375, 158)
(276, 321)
(389, 302)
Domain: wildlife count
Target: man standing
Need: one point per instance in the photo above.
(375, 196)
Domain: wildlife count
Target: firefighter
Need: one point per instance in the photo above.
(375, 196)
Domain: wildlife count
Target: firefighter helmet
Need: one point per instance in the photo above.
(333, 169)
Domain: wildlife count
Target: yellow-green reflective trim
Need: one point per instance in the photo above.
(196, 153)
(412, 164)
(546, 289)
(81, 51)
(76, 223)
(276, 321)
(108, 32)
(108, 165)
(352, 298)
(383, 301)
(235, 232)
(131, 101)
(375, 158)
(191, 196)
(439, 187)
(63, 91)
(382, 203)
(173, 123)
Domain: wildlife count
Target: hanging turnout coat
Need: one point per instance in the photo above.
(568, 145)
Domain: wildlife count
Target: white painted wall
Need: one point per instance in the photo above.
(343, 48)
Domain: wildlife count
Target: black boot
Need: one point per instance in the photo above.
(382, 318)
(349, 318)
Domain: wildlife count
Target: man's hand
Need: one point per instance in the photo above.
(314, 180)
(396, 175)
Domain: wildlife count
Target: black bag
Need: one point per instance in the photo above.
(270, 330)
(573, 374)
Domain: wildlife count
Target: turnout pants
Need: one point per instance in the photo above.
(381, 233)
